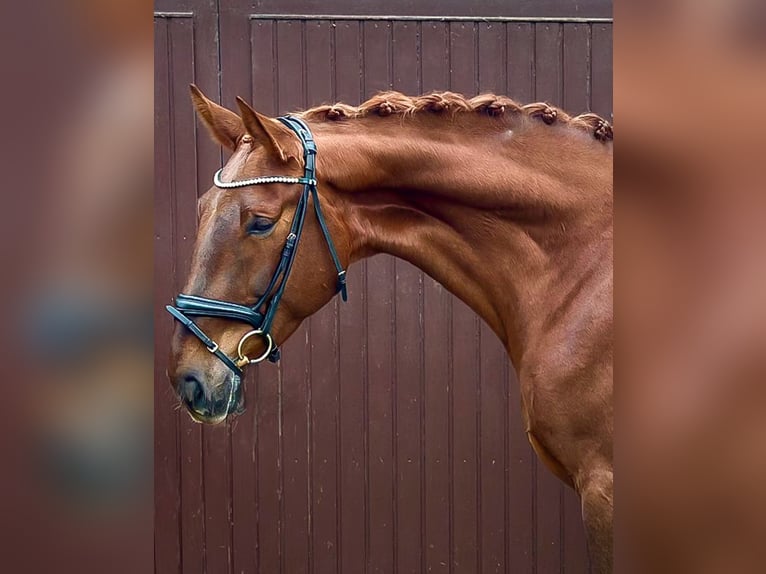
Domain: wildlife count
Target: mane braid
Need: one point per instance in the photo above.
(449, 103)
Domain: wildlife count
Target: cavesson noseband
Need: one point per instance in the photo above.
(187, 306)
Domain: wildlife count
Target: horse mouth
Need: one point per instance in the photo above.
(206, 420)
(213, 420)
(217, 411)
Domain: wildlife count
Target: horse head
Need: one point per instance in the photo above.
(253, 235)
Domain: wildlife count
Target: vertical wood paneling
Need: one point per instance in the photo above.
(601, 78)
(167, 458)
(576, 68)
(193, 524)
(408, 322)
(492, 364)
(353, 342)
(324, 383)
(520, 57)
(381, 288)
(261, 81)
(295, 366)
(216, 486)
(548, 88)
(390, 438)
(549, 62)
(465, 355)
(244, 486)
(521, 486)
(577, 94)
(437, 336)
(186, 51)
(268, 461)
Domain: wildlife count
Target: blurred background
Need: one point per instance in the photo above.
(690, 185)
(76, 434)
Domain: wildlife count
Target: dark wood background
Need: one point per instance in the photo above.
(389, 439)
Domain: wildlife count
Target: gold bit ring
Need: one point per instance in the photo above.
(243, 359)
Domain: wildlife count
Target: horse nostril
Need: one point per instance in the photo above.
(192, 392)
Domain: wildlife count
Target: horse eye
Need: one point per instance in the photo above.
(259, 226)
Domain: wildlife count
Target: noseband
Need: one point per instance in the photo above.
(188, 306)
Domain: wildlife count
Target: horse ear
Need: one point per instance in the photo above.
(268, 132)
(224, 126)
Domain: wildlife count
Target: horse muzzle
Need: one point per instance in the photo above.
(210, 405)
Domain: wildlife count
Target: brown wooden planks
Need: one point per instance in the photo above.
(408, 324)
(324, 387)
(350, 457)
(439, 8)
(167, 502)
(437, 337)
(381, 408)
(548, 88)
(260, 64)
(185, 216)
(492, 363)
(577, 95)
(576, 68)
(463, 55)
(521, 485)
(352, 352)
(294, 390)
(601, 79)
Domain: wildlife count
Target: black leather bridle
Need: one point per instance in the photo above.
(188, 306)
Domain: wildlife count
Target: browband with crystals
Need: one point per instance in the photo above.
(259, 180)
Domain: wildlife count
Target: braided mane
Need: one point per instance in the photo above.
(395, 103)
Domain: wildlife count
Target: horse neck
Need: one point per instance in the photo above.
(496, 214)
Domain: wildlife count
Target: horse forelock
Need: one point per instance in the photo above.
(449, 103)
(233, 168)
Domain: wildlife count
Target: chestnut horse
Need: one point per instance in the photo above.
(508, 206)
